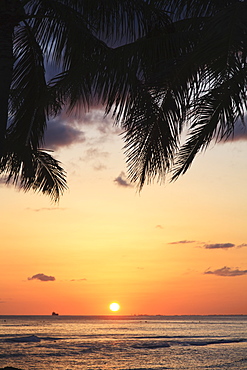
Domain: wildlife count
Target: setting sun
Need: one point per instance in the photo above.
(114, 307)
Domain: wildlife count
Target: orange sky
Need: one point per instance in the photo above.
(175, 248)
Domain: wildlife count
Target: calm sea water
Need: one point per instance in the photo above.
(129, 342)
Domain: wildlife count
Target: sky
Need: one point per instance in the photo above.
(173, 249)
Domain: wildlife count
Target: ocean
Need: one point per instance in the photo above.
(123, 342)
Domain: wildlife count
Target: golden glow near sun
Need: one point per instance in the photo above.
(114, 307)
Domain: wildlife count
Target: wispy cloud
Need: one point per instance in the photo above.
(223, 246)
(159, 227)
(242, 245)
(93, 154)
(42, 277)
(46, 209)
(183, 242)
(83, 279)
(96, 157)
(212, 246)
(122, 181)
(219, 246)
(226, 271)
(99, 167)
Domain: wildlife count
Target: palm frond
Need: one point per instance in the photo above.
(157, 66)
(124, 21)
(29, 93)
(150, 137)
(213, 117)
(206, 65)
(34, 169)
(68, 42)
(196, 8)
(149, 61)
(92, 68)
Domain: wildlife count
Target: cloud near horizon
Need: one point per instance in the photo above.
(223, 246)
(211, 246)
(42, 277)
(122, 181)
(219, 246)
(45, 209)
(242, 245)
(183, 242)
(226, 271)
(83, 279)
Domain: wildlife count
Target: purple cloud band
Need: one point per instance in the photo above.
(42, 277)
(183, 242)
(219, 246)
(226, 271)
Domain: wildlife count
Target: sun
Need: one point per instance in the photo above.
(114, 307)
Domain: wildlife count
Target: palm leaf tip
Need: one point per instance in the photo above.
(50, 177)
(36, 170)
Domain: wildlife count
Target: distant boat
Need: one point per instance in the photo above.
(54, 314)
